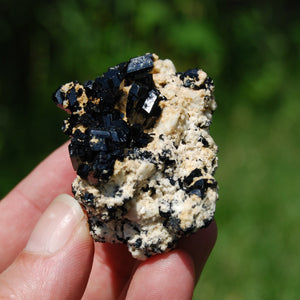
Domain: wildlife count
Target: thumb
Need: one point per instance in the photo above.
(57, 259)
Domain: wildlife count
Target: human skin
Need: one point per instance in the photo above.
(47, 252)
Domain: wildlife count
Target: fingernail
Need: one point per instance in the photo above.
(56, 226)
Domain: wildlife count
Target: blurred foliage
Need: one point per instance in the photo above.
(250, 48)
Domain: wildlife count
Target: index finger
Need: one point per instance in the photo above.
(22, 207)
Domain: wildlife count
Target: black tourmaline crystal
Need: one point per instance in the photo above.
(100, 131)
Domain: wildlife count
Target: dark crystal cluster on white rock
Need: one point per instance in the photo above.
(141, 148)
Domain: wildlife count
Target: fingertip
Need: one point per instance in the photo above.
(200, 245)
(164, 276)
(59, 222)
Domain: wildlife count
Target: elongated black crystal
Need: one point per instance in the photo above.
(139, 65)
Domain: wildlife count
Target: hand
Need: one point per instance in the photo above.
(46, 251)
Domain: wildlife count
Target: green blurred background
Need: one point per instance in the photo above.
(250, 48)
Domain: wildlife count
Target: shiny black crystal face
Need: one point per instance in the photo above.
(97, 127)
(140, 65)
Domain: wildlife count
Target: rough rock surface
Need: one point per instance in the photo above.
(141, 147)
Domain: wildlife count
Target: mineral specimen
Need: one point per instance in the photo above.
(141, 147)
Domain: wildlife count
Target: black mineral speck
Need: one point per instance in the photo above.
(200, 187)
(203, 141)
(174, 223)
(88, 200)
(145, 188)
(164, 214)
(189, 179)
(206, 222)
(138, 243)
(172, 181)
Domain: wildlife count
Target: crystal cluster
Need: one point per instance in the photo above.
(141, 148)
(98, 130)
